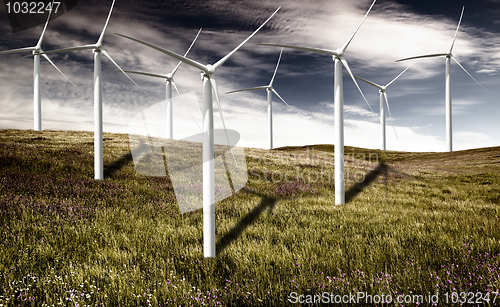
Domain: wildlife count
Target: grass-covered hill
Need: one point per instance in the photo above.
(414, 224)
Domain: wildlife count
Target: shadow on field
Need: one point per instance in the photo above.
(268, 202)
(235, 232)
(382, 168)
(116, 165)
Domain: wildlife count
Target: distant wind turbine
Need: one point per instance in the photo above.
(270, 90)
(209, 86)
(339, 60)
(448, 56)
(37, 98)
(97, 50)
(383, 97)
(169, 82)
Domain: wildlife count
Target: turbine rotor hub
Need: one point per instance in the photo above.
(210, 69)
(169, 77)
(209, 72)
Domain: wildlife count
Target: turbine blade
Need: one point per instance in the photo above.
(143, 73)
(185, 54)
(170, 53)
(315, 50)
(456, 32)
(224, 59)
(364, 80)
(389, 84)
(344, 62)
(113, 61)
(39, 44)
(276, 69)
(86, 47)
(101, 37)
(387, 103)
(176, 89)
(276, 93)
(184, 104)
(454, 59)
(424, 56)
(249, 89)
(18, 50)
(47, 58)
(359, 26)
(216, 93)
(389, 109)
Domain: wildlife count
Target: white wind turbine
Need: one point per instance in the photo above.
(209, 86)
(270, 90)
(169, 82)
(339, 60)
(37, 98)
(448, 56)
(97, 50)
(383, 97)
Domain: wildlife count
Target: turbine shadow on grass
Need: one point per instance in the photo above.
(116, 165)
(235, 232)
(268, 202)
(381, 169)
(357, 188)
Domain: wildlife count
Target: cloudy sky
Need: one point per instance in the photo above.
(393, 30)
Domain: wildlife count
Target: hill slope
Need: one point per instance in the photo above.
(419, 222)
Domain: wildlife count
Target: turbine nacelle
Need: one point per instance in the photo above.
(338, 54)
(210, 70)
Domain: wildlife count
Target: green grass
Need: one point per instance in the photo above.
(415, 223)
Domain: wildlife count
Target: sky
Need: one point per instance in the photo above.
(393, 30)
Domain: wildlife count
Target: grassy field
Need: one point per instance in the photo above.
(415, 224)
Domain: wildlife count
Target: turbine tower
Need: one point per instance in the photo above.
(97, 49)
(447, 56)
(270, 90)
(383, 101)
(37, 97)
(339, 60)
(169, 82)
(209, 86)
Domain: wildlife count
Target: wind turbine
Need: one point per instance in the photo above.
(447, 56)
(339, 60)
(383, 97)
(36, 52)
(209, 86)
(270, 90)
(97, 49)
(169, 82)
